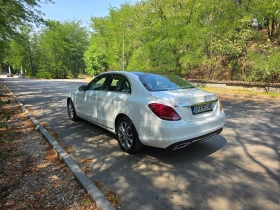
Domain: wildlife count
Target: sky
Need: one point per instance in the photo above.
(80, 9)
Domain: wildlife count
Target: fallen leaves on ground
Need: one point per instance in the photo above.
(31, 175)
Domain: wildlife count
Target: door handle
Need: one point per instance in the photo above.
(117, 99)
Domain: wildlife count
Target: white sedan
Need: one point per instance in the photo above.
(159, 110)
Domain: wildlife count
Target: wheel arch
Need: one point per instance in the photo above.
(137, 142)
(119, 116)
(68, 99)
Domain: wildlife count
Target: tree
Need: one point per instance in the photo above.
(95, 60)
(13, 15)
(61, 48)
(117, 35)
(20, 52)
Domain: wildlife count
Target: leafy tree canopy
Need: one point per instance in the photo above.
(15, 14)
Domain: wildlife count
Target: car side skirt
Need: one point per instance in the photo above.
(98, 124)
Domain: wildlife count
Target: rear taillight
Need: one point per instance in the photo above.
(221, 107)
(164, 112)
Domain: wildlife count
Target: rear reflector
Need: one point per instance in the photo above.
(221, 107)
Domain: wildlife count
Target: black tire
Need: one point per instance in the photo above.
(71, 111)
(127, 136)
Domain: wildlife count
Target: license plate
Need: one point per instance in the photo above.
(202, 108)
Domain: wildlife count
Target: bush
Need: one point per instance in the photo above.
(264, 67)
(43, 75)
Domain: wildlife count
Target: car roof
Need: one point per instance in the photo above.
(138, 73)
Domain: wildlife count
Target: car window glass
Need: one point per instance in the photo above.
(97, 83)
(120, 84)
(155, 82)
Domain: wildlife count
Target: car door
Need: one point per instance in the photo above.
(110, 101)
(80, 102)
(91, 97)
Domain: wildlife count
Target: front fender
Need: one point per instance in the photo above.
(72, 97)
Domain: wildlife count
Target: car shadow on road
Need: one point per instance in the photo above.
(193, 152)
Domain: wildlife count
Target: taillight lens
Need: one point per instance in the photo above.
(221, 107)
(164, 112)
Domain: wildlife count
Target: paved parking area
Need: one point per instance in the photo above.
(239, 169)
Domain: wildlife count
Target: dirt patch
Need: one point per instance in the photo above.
(31, 176)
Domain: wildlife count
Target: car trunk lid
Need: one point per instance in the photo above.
(191, 104)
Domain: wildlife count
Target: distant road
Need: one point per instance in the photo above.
(239, 169)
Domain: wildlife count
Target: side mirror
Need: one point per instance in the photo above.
(82, 88)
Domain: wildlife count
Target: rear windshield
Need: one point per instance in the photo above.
(156, 82)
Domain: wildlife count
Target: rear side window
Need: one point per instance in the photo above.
(156, 82)
(120, 84)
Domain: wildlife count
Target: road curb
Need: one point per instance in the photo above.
(81, 177)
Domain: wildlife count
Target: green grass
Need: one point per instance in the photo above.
(242, 91)
(17, 155)
(85, 202)
(5, 140)
(3, 125)
(3, 120)
(4, 102)
(3, 157)
(272, 94)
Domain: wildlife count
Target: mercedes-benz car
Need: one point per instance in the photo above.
(158, 110)
(10, 75)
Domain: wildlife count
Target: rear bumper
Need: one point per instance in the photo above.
(182, 144)
(176, 134)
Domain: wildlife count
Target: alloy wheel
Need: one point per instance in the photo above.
(125, 135)
(71, 110)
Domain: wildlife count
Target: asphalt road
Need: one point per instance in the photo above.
(238, 169)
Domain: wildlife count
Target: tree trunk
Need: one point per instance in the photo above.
(272, 27)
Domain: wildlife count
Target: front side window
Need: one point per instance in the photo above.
(156, 82)
(98, 83)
